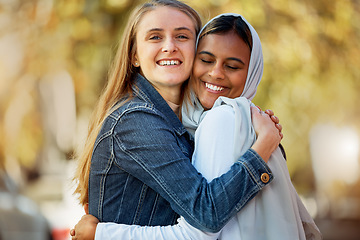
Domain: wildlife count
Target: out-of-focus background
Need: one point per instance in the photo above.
(54, 57)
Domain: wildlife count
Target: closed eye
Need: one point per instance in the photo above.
(206, 57)
(206, 61)
(232, 68)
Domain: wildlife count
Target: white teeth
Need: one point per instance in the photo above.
(169, 62)
(213, 87)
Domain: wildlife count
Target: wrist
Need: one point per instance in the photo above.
(263, 148)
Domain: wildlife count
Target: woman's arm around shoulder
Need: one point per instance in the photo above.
(89, 228)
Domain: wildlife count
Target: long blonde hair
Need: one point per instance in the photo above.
(119, 85)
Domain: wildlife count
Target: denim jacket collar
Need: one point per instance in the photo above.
(145, 90)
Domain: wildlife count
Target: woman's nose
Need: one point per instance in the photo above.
(169, 46)
(217, 72)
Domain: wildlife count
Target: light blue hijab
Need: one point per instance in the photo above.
(192, 114)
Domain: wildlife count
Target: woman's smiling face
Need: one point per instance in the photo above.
(220, 67)
(166, 46)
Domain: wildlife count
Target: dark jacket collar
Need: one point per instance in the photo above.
(146, 91)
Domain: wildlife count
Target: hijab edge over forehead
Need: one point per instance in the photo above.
(256, 64)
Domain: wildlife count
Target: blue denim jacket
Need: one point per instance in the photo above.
(141, 171)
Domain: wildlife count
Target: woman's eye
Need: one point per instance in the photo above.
(155, 37)
(232, 67)
(183, 37)
(205, 60)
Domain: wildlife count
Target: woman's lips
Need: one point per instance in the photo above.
(213, 88)
(169, 62)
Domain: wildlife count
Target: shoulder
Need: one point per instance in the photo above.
(228, 108)
(223, 114)
(220, 112)
(129, 106)
(217, 121)
(137, 112)
(133, 113)
(227, 115)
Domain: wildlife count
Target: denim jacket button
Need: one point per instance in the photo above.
(265, 178)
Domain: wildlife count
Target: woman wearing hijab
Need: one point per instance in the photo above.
(225, 80)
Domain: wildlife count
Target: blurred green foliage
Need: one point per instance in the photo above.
(311, 51)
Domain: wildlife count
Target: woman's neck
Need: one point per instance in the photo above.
(173, 97)
(170, 94)
(174, 107)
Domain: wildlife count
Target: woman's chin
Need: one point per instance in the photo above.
(207, 103)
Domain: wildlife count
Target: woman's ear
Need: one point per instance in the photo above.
(135, 62)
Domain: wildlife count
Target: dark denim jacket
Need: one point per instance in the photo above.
(141, 171)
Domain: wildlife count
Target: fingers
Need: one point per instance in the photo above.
(279, 127)
(269, 112)
(256, 111)
(274, 118)
(72, 234)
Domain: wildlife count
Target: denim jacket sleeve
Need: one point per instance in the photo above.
(148, 149)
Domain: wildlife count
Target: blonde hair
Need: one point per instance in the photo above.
(119, 85)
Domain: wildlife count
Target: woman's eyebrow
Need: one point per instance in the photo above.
(207, 53)
(236, 59)
(155, 30)
(176, 29)
(183, 28)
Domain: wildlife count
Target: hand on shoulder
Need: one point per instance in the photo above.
(268, 134)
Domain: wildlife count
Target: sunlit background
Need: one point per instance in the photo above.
(54, 57)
